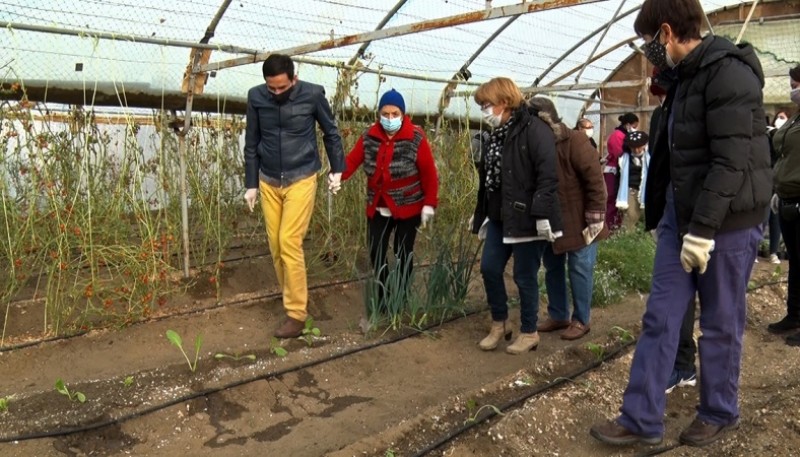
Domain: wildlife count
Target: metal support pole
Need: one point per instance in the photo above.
(568, 87)
(197, 55)
(346, 75)
(424, 26)
(87, 33)
(597, 45)
(463, 73)
(581, 42)
(746, 21)
(594, 59)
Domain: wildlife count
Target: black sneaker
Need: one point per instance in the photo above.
(784, 325)
(793, 340)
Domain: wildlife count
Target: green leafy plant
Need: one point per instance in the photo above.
(275, 348)
(4, 401)
(389, 453)
(625, 335)
(176, 341)
(235, 357)
(310, 332)
(73, 396)
(473, 411)
(598, 350)
(128, 381)
(777, 273)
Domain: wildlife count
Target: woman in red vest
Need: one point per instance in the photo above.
(402, 188)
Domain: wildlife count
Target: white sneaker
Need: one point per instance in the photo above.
(773, 258)
(756, 260)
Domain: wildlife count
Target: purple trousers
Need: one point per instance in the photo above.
(613, 215)
(722, 295)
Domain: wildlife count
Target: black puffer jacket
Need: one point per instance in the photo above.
(280, 143)
(719, 161)
(529, 182)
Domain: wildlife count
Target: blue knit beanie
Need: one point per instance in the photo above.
(393, 98)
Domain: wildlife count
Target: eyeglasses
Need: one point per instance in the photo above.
(486, 106)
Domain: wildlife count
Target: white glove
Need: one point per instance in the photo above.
(543, 230)
(334, 182)
(695, 253)
(250, 197)
(427, 215)
(483, 230)
(774, 203)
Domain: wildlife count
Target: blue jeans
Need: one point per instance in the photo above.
(580, 267)
(773, 222)
(527, 259)
(722, 293)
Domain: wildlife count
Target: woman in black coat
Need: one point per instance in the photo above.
(517, 210)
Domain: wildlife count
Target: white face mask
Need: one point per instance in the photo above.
(490, 118)
(779, 122)
(589, 132)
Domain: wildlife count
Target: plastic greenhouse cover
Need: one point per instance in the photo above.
(522, 51)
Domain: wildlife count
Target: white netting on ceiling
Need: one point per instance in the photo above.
(522, 51)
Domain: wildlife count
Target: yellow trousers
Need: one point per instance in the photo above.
(287, 211)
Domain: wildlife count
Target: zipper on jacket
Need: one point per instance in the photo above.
(280, 143)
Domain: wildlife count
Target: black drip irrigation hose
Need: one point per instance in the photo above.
(231, 385)
(514, 402)
(186, 312)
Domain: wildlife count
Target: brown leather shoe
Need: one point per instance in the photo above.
(551, 325)
(291, 328)
(701, 434)
(610, 432)
(574, 331)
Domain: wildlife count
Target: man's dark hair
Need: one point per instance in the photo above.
(685, 17)
(794, 73)
(278, 64)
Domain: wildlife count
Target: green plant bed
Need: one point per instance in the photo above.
(624, 265)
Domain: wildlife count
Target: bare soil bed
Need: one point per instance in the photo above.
(387, 394)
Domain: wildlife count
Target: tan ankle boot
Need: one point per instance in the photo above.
(525, 342)
(497, 332)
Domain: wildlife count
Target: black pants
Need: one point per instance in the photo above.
(684, 359)
(379, 229)
(790, 229)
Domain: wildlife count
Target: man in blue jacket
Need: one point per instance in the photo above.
(281, 164)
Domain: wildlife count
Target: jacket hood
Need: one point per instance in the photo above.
(560, 130)
(713, 49)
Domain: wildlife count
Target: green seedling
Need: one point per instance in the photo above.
(175, 339)
(128, 381)
(625, 335)
(4, 401)
(235, 357)
(73, 396)
(389, 453)
(275, 348)
(777, 273)
(310, 332)
(596, 349)
(473, 411)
